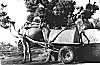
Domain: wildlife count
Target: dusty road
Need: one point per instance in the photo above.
(62, 64)
(53, 63)
(36, 61)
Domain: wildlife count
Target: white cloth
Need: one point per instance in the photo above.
(50, 0)
(40, 5)
(80, 25)
(37, 18)
(92, 21)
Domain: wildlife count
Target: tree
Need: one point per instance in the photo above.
(53, 13)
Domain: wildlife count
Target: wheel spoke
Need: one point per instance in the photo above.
(68, 55)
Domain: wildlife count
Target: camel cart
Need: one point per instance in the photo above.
(64, 46)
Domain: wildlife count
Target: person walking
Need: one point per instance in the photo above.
(80, 25)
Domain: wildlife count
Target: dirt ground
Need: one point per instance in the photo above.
(38, 58)
(16, 58)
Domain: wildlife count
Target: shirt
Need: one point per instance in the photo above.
(80, 24)
(92, 21)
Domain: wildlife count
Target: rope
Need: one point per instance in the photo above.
(12, 33)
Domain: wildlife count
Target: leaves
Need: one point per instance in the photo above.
(55, 13)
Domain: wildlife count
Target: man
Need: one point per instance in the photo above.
(69, 20)
(92, 21)
(81, 27)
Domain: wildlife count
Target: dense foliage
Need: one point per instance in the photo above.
(58, 13)
(53, 13)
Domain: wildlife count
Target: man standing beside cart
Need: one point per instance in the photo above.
(80, 25)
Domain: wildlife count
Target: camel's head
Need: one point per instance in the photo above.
(6, 22)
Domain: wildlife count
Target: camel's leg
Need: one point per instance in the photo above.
(46, 33)
(24, 48)
(29, 51)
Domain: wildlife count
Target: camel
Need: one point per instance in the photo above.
(29, 33)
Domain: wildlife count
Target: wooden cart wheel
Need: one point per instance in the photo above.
(66, 54)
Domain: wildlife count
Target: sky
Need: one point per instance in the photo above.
(17, 11)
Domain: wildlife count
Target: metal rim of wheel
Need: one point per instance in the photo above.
(66, 54)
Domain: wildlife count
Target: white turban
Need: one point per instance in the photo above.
(37, 18)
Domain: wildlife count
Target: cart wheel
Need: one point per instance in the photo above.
(66, 54)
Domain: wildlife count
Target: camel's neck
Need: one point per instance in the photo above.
(13, 31)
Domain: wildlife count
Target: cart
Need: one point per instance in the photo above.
(65, 46)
